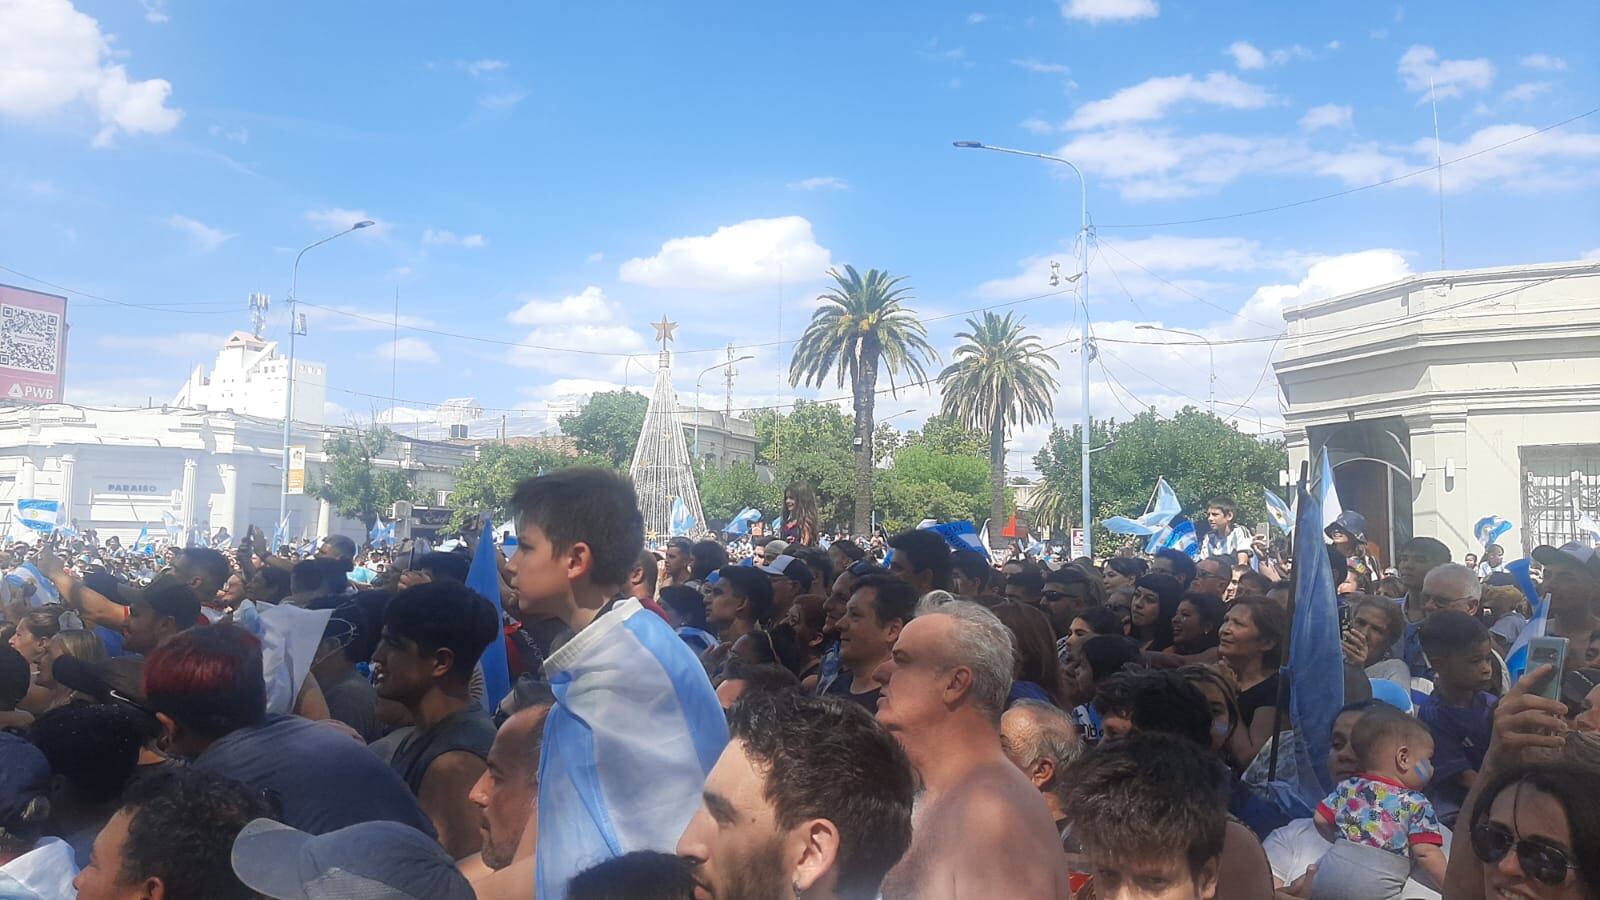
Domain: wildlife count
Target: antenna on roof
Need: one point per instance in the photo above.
(1438, 166)
(258, 313)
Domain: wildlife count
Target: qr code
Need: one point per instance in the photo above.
(28, 339)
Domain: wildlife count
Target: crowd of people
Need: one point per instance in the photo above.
(794, 715)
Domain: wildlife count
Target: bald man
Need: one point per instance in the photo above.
(507, 795)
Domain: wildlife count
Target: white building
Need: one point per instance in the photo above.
(1451, 396)
(249, 377)
(718, 438)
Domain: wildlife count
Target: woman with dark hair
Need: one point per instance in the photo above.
(1155, 602)
(1536, 832)
(1038, 669)
(706, 557)
(1195, 624)
(799, 515)
(1093, 621)
(35, 628)
(1123, 571)
(1251, 643)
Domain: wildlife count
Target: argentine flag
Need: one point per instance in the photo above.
(40, 515)
(1164, 506)
(681, 521)
(1517, 659)
(962, 535)
(634, 731)
(740, 524)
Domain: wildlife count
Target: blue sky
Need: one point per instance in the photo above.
(562, 174)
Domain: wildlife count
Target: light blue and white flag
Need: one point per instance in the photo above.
(1587, 523)
(484, 577)
(1517, 659)
(173, 527)
(289, 637)
(1489, 529)
(634, 731)
(44, 591)
(681, 521)
(40, 515)
(1329, 492)
(380, 535)
(1281, 515)
(1315, 668)
(1163, 506)
(1177, 535)
(962, 535)
(741, 522)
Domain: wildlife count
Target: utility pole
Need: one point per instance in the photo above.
(727, 409)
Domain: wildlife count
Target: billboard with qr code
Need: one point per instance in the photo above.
(33, 345)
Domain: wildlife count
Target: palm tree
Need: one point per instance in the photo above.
(998, 379)
(860, 325)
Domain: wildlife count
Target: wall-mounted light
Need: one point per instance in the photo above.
(1419, 469)
(1450, 467)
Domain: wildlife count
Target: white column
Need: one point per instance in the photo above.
(324, 519)
(26, 478)
(186, 497)
(225, 511)
(69, 467)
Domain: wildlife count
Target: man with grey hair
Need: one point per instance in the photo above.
(980, 828)
(1042, 741)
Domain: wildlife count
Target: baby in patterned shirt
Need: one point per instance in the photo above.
(1380, 822)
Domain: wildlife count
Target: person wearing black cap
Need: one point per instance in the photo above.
(1572, 579)
(372, 860)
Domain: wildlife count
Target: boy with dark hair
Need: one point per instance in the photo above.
(1149, 811)
(1460, 711)
(1175, 563)
(970, 574)
(921, 559)
(629, 690)
(1223, 537)
(173, 838)
(739, 603)
(433, 635)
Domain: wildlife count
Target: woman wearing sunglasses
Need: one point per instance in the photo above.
(1534, 829)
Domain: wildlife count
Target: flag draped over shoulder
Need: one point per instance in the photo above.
(484, 577)
(1315, 668)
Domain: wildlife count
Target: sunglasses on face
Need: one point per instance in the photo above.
(1538, 858)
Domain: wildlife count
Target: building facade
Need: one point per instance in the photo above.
(1451, 396)
(250, 377)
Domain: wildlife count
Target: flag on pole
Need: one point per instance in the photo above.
(1315, 667)
(1163, 507)
(484, 577)
(1178, 534)
(962, 535)
(1281, 515)
(40, 515)
(1329, 493)
(381, 535)
(170, 523)
(1489, 529)
(1517, 659)
(681, 520)
(741, 522)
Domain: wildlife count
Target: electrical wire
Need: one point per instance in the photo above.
(152, 307)
(1356, 190)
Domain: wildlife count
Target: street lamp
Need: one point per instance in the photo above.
(697, 410)
(1211, 388)
(895, 416)
(288, 389)
(1081, 280)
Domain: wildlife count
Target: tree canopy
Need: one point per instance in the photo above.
(484, 485)
(608, 426)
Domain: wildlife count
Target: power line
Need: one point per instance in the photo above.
(152, 307)
(1365, 187)
(1182, 289)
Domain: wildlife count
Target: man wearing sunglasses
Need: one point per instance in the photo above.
(1067, 593)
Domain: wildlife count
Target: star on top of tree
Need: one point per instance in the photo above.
(664, 330)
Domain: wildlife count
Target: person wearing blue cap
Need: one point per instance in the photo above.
(372, 860)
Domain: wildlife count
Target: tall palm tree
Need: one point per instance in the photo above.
(861, 325)
(998, 379)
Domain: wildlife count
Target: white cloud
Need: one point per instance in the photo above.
(1043, 68)
(1036, 126)
(1328, 115)
(205, 238)
(588, 319)
(406, 349)
(595, 257)
(1158, 164)
(820, 183)
(479, 66)
(1591, 254)
(1552, 161)
(182, 345)
(501, 100)
(345, 317)
(155, 12)
(336, 218)
(1181, 259)
(1528, 90)
(442, 238)
(1248, 56)
(240, 135)
(734, 257)
(1449, 77)
(1109, 10)
(52, 57)
(1545, 62)
(1149, 100)
(976, 18)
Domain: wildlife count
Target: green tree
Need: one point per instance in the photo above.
(860, 326)
(608, 426)
(926, 483)
(811, 450)
(999, 379)
(353, 483)
(725, 490)
(1200, 455)
(944, 434)
(484, 485)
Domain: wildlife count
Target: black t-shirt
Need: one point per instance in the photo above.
(841, 688)
(468, 729)
(1262, 696)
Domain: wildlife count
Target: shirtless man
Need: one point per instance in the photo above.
(980, 829)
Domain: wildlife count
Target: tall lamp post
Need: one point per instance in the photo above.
(1081, 279)
(1211, 354)
(288, 390)
(721, 365)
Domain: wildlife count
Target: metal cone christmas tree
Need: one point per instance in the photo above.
(662, 472)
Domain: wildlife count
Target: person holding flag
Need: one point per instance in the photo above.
(1572, 588)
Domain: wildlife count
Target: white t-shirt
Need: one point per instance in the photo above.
(1294, 847)
(43, 873)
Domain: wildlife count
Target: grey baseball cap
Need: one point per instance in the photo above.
(369, 861)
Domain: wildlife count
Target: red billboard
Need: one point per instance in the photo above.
(33, 345)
